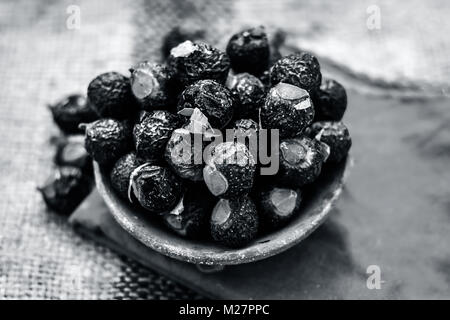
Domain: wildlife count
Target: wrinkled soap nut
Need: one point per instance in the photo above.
(71, 111)
(334, 134)
(190, 218)
(156, 188)
(65, 190)
(287, 108)
(278, 205)
(249, 51)
(110, 96)
(301, 161)
(151, 86)
(299, 69)
(190, 62)
(106, 140)
(230, 170)
(234, 222)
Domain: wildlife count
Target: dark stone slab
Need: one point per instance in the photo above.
(394, 213)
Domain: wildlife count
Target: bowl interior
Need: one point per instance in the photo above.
(141, 224)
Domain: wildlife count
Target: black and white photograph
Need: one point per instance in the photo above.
(234, 150)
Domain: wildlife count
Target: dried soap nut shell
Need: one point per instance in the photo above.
(212, 99)
(230, 170)
(299, 69)
(277, 206)
(335, 135)
(330, 101)
(193, 61)
(71, 111)
(287, 108)
(106, 140)
(301, 161)
(110, 96)
(234, 222)
(156, 188)
(249, 51)
(151, 85)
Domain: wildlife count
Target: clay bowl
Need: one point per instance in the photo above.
(319, 199)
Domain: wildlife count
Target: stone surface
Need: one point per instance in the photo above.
(393, 213)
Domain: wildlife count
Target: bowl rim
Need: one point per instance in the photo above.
(213, 254)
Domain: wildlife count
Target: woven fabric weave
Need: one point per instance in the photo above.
(41, 257)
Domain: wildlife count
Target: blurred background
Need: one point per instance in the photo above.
(379, 50)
